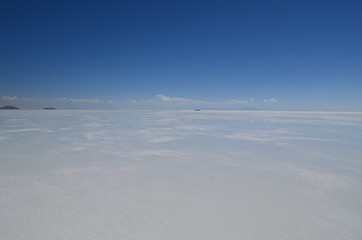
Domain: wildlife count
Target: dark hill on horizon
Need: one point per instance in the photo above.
(9, 108)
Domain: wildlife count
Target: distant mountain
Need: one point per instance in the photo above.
(9, 108)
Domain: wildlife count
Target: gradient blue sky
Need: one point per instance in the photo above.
(304, 54)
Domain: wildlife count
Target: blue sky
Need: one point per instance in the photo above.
(265, 54)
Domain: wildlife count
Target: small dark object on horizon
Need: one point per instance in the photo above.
(49, 108)
(9, 108)
(198, 110)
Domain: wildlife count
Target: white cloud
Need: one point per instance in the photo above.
(8, 98)
(163, 98)
(158, 101)
(270, 101)
(30, 102)
(236, 102)
(164, 101)
(82, 100)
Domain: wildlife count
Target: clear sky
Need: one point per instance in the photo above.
(289, 54)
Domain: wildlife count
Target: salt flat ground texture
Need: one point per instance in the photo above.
(180, 175)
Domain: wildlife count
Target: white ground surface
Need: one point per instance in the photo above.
(180, 175)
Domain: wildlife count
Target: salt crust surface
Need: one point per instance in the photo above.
(180, 175)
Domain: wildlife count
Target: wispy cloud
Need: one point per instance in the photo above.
(8, 98)
(63, 102)
(270, 101)
(158, 101)
(163, 98)
(80, 100)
